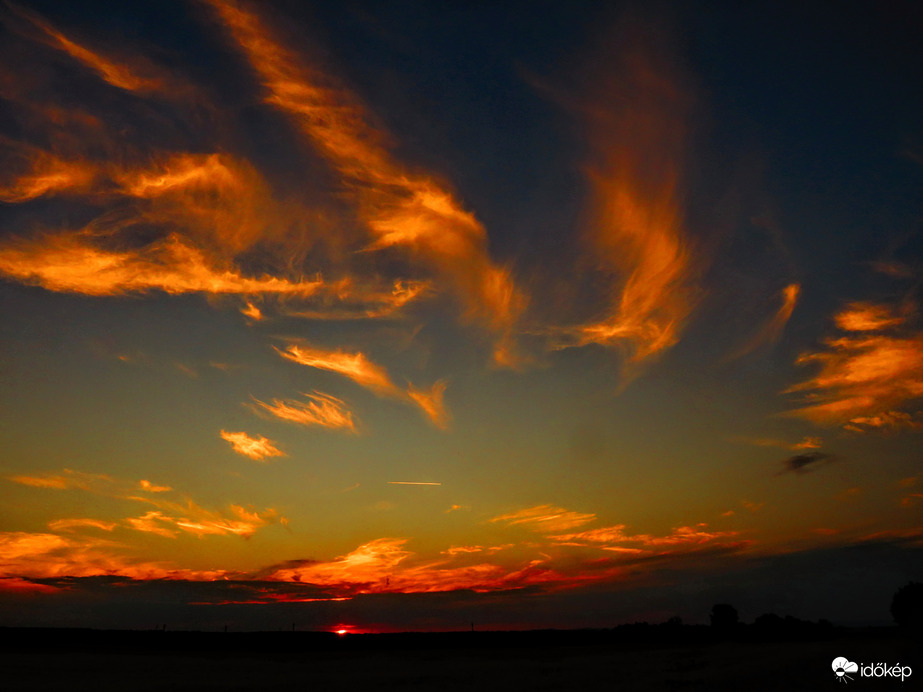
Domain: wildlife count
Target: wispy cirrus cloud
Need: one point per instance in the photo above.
(320, 409)
(65, 479)
(173, 517)
(357, 367)
(149, 487)
(866, 317)
(865, 379)
(169, 517)
(257, 448)
(48, 555)
(637, 125)
(612, 537)
(74, 263)
(77, 524)
(131, 73)
(401, 208)
(771, 331)
(886, 421)
(545, 518)
(807, 442)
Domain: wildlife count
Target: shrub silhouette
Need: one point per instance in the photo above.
(723, 616)
(907, 605)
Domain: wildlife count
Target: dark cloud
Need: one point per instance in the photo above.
(802, 463)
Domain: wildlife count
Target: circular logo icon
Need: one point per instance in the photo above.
(842, 666)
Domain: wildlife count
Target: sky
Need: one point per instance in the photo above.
(412, 315)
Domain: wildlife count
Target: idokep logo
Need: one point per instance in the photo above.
(842, 668)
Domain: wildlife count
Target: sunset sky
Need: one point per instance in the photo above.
(409, 315)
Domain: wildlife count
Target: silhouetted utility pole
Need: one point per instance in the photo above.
(472, 627)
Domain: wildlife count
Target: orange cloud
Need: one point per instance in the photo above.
(320, 409)
(133, 73)
(386, 566)
(862, 378)
(431, 403)
(71, 524)
(66, 479)
(167, 520)
(45, 555)
(171, 517)
(805, 443)
(637, 130)
(885, 421)
(545, 518)
(151, 488)
(72, 263)
(355, 366)
(400, 208)
(865, 317)
(613, 535)
(361, 302)
(257, 448)
(152, 522)
(358, 368)
(252, 311)
(908, 482)
(865, 378)
(773, 329)
(46, 174)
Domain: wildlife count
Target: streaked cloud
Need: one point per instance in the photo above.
(637, 129)
(412, 483)
(149, 487)
(320, 409)
(612, 536)
(545, 518)
(771, 331)
(432, 403)
(136, 77)
(173, 517)
(67, 478)
(886, 421)
(152, 522)
(866, 317)
(257, 448)
(169, 517)
(357, 367)
(401, 208)
(861, 378)
(808, 442)
(72, 263)
(365, 302)
(77, 524)
(385, 565)
(46, 555)
(44, 174)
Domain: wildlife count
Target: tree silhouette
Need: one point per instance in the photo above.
(907, 605)
(723, 616)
